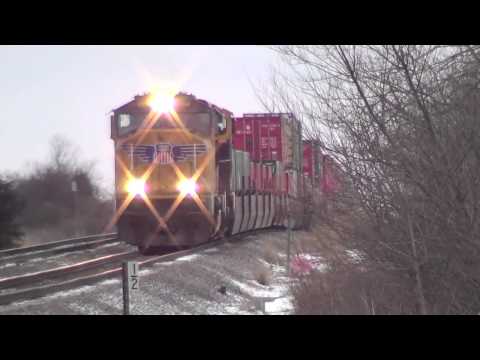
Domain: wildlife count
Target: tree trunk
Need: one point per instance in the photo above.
(416, 267)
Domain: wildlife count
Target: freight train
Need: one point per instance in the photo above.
(187, 171)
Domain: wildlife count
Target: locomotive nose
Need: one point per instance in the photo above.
(193, 232)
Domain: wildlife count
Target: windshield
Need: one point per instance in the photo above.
(197, 123)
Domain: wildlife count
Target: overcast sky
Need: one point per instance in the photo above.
(70, 90)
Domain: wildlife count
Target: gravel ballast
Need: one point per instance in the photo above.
(233, 278)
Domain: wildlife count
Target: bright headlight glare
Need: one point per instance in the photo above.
(161, 103)
(187, 186)
(136, 186)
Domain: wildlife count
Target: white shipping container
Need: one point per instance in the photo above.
(241, 169)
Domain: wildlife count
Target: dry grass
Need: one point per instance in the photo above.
(345, 290)
(347, 287)
(270, 254)
(335, 292)
(323, 240)
(263, 275)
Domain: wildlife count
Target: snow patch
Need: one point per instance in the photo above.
(146, 272)
(212, 250)
(109, 282)
(276, 297)
(281, 305)
(108, 245)
(57, 295)
(7, 265)
(259, 291)
(84, 309)
(316, 261)
(354, 255)
(166, 263)
(187, 257)
(71, 292)
(180, 259)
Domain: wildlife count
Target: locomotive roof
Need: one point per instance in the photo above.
(141, 100)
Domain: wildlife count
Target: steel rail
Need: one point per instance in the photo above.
(56, 244)
(57, 250)
(13, 281)
(43, 290)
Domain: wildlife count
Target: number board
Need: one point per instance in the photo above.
(133, 275)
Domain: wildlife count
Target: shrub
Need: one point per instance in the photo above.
(10, 207)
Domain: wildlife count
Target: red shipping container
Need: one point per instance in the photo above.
(240, 134)
(308, 160)
(249, 136)
(260, 135)
(330, 179)
(270, 138)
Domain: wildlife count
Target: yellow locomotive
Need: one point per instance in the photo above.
(180, 181)
(171, 170)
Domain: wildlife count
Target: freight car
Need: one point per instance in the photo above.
(187, 171)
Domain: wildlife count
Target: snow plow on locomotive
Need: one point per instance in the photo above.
(187, 171)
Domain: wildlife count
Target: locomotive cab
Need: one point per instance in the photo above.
(172, 171)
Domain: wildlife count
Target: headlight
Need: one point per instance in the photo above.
(161, 103)
(187, 186)
(136, 186)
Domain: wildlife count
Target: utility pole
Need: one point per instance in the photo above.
(289, 235)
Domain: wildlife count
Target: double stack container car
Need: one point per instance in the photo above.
(275, 148)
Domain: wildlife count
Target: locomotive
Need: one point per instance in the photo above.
(187, 171)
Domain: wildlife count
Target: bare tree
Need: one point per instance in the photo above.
(51, 205)
(10, 208)
(402, 122)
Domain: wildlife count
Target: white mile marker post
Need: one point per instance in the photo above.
(130, 282)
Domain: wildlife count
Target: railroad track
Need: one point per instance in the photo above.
(38, 284)
(57, 247)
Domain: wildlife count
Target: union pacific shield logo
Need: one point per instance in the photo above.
(164, 154)
(139, 153)
(188, 151)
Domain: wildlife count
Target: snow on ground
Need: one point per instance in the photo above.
(279, 306)
(316, 261)
(7, 265)
(222, 280)
(187, 258)
(43, 262)
(41, 256)
(354, 255)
